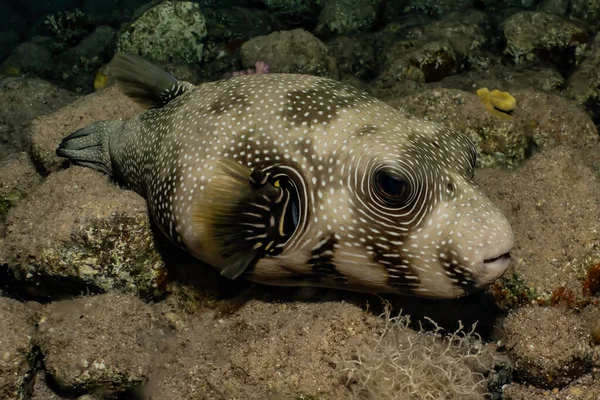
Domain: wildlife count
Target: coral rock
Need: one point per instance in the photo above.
(295, 51)
(170, 31)
(49, 130)
(533, 37)
(549, 346)
(16, 328)
(117, 337)
(79, 232)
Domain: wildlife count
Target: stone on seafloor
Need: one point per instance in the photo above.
(539, 121)
(296, 51)
(549, 345)
(79, 232)
(16, 328)
(48, 130)
(171, 30)
(584, 82)
(118, 336)
(534, 36)
(18, 178)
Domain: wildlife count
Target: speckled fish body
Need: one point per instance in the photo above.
(383, 202)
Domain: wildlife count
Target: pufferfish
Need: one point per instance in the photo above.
(298, 180)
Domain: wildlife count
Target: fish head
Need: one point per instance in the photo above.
(380, 202)
(423, 224)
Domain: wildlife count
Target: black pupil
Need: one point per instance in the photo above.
(390, 186)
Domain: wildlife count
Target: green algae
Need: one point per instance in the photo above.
(512, 291)
(499, 145)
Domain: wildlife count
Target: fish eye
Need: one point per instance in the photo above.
(390, 187)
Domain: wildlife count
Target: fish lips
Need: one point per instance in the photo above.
(494, 265)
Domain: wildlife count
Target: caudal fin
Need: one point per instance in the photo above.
(89, 146)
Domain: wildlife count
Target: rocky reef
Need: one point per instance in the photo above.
(95, 304)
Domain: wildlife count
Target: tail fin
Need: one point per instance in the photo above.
(89, 146)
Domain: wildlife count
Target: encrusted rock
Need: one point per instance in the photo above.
(79, 64)
(296, 51)
(23, 100)
(49, 130)
(31, 57)
(540, 78)
(539, 121)
(16, 328)
(278, 350)
(584, 83)
(557, 7)
(79, 232)
(437, 7)
(106, 341)
(93, 45)
(587, 10)
(549, 346)
(553, 205)
(347, 16)
(534, 36)
(239, 23)
(102, 12)
(18, 178)
(469, 33)
(354, 56)
(584, 388)
(428, 62)
(169, 31)
(554, 120)
(295, 12)
(429, 51)
(498, 142)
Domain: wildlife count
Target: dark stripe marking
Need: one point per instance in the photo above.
(322, 261)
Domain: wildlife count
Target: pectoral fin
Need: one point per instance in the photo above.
(239, 217)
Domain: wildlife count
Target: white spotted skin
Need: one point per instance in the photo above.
(335, 137)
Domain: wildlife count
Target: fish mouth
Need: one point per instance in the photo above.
(502, 256)
(495, 266)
